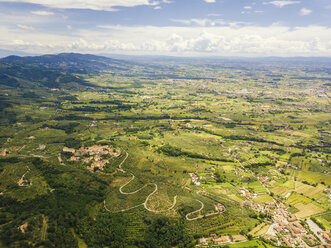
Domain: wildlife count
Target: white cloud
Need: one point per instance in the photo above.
(207, 22)
(42, 13)
(282, 3)
(210, 1)
(157, 7)
(89, 4)
(304, 12)
(274, 40)
(25, 27)
(214, 14)
(247, 7)
(69, 27)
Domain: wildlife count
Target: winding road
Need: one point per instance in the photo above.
(144, 204)
(136, 191)
(196, 211)
(158, 211)
(133, 192)
(205, 215)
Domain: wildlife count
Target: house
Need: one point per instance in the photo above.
(66, 149)
(73, 158)
(296, 230)
(291, 218)
(219, 207)
(286, 241)
(23, 227)
(204, 241)
(4, 153)
(297, 224)
(326, 236)
(41, 147)
(269, 237)
(221, 240)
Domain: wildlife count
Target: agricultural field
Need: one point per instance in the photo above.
(163, 155)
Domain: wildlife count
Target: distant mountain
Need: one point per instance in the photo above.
(55, 71)
(72, 62)
(5, 53)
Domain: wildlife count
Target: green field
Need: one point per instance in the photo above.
(199, 148)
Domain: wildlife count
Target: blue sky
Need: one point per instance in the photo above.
(168, 27)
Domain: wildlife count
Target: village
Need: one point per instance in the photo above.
(284, 228)
(95, 157)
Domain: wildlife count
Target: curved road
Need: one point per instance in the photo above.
(147, 198)
(199, 217)
(158, 211)
(120, 165)
(133, 192)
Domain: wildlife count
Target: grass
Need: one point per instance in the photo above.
(81, 243)
(263, 198)
(306, 210)
(259, 230)
(311, 177)
(325, 219)
(299, 187)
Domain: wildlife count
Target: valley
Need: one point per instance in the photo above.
(96, 152)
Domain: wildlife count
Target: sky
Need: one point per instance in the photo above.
(250, 28)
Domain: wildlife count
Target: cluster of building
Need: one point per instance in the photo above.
(245, 193)
(292, 234)
(195, 179)
(214, 239)
(96, 157)
(266, 208)
(263, 179)
(285, 229)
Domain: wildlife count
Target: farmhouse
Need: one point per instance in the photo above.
(66, 149)
(221, 240)
(23, 227)
(219, 207)
(4, 153)
(204, 241)
(41, 147)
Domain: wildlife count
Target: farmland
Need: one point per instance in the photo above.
(165, 155)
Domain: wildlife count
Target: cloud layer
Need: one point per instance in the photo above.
(107, 5)
(220, 41)
(282, 3)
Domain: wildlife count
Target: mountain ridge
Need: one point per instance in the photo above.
(56, 70)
